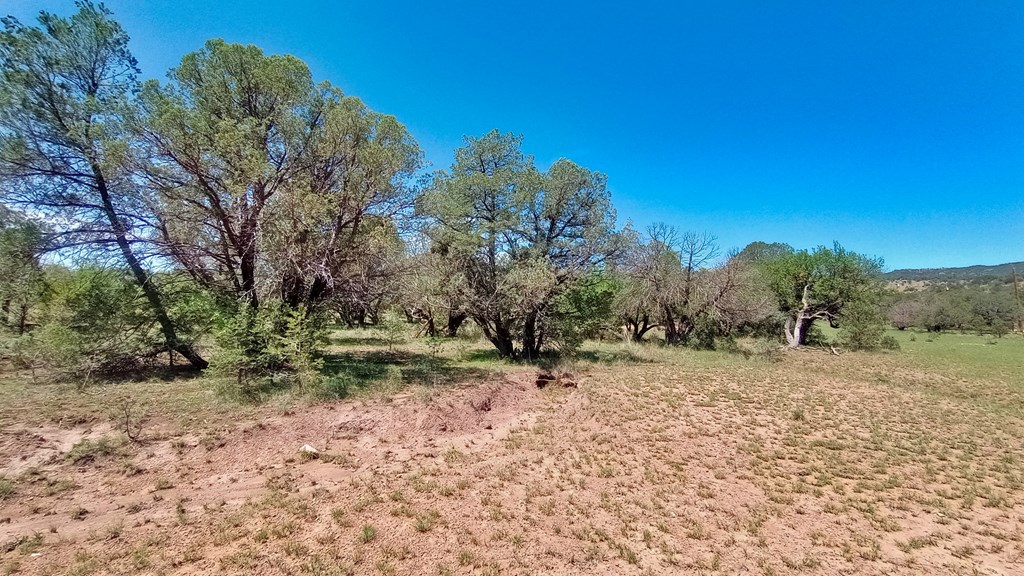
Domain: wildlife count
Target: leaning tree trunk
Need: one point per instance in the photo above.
(143, 279)
(430, 328)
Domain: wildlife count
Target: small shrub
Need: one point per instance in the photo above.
(6, 488)
(425, 522)
(862, 325)
(88, 451)
(367, 534)
(329, 388)
(889, 342)
(391, 329)
(269, 348)
(767, 349)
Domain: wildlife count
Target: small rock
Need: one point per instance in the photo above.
(309, 450)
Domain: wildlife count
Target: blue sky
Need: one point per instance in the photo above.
(896, 128)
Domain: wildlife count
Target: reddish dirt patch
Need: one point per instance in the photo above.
(641, 469)
(144, 482)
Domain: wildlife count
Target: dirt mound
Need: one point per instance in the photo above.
(466, 410)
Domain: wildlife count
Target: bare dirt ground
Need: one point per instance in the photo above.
(860, 464)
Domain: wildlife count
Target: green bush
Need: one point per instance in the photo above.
(584, 311)
(888, 342)
(862, 325)
(268, 348)
(92, 320)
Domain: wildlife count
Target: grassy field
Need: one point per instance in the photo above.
(442, 460)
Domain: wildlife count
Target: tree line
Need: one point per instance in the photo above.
(227, 214)
(992, 307)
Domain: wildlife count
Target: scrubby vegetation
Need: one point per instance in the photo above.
(195, 273)
(224, 217)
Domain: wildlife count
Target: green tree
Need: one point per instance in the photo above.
(65, 93)
(21, 276)
(757, 252)
(818, 285)
(862, 324)
(270, 184)
(521, 237)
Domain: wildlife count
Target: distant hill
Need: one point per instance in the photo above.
(966, 273)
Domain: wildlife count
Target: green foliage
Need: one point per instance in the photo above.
(92, 320)
(584, 311)
(999, 327)
(6, 488)
(862, 325)
(889, 342)
(67, 151)
(266, 348)
(519, 237)
(391, 328)
(95, 320)
(292, 185)
(819, 285)
(827, 278)
(989, 308)
(757, 252)
(21, 276)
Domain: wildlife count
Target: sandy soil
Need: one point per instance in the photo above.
(643, 469)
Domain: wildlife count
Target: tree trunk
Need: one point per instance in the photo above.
(22, 318)
(799, 325)
(430, 329)
(502, 340)
(792, 331)
(531, 345)
(454, 323)
(247, 265)
(143, 278)
(499, 336)
(796, 329)
(671, 334)
(639, 327)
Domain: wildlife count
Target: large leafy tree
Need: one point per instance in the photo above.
(819, 285)
(520, 236)
(270, 184)
(66, 89)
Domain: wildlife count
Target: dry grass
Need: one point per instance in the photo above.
(662, 462)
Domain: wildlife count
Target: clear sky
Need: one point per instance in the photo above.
(894, 127)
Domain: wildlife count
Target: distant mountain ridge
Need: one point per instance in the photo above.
(965, 273)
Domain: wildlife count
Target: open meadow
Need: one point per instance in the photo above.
(642, 459)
